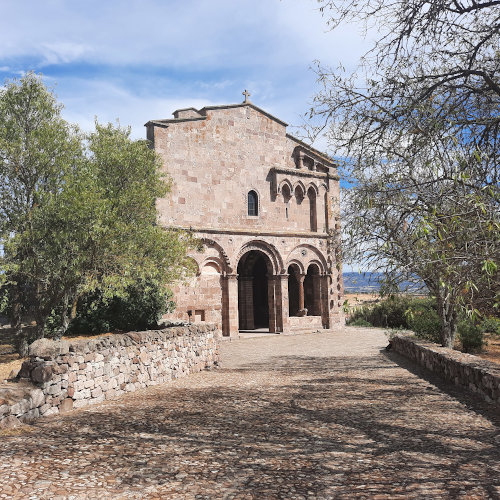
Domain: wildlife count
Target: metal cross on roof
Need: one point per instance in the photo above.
(247, 95)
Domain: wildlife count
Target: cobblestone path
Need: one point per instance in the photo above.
(324, 415)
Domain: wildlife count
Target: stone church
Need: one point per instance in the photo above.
(266, 207)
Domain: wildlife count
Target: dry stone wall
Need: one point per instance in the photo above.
(61, 375)
(473, 373)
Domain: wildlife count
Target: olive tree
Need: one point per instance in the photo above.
(416, 127)
(77, 212)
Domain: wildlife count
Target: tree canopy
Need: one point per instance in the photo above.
(417, 127)
(77, 211)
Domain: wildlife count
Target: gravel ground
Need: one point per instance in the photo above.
(321, 415)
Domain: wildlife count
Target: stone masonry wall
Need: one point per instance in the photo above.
(61, 375)
(473, 373)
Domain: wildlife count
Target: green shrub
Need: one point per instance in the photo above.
(5, 309)
(359, 322)
(139, 309)
(424, 321)
(471, 335)
(391, 312)
(491, 325)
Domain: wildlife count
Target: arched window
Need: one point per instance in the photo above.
(253, 203)
(312, 209)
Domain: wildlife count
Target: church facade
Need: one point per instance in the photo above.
(265, 206)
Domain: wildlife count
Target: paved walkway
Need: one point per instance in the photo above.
(325, 415)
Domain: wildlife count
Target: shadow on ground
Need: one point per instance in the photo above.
(321, 428)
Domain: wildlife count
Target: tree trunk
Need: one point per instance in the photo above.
(65, 317)
(20, 334)
(448, 314)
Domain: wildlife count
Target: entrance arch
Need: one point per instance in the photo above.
(312, 293)
(254, 269)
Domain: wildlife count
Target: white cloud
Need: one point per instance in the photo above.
(63, 52)
(208, 34)
(109, 102)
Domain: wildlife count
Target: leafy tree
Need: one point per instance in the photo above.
(138, 308)
(418, 127)
(76, 212)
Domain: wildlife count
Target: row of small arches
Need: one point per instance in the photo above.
(299, 193)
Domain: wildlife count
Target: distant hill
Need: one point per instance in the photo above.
(370, 283)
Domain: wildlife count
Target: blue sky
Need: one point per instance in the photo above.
(140, 60)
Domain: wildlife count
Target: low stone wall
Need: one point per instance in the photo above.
(473, 373)
(298, 323)
(61, 375)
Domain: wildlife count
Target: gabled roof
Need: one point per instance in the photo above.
(202, 111)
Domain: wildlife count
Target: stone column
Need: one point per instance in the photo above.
(282, 304)
(301, 159)
(230, 306)
(272, 304)
(302, 309)
(316, 283)
(326, 312)
(245, 305)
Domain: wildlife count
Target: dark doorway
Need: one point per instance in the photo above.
(293, 291)
(311, 291)
(253, 301)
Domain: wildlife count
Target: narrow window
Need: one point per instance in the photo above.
(312, 209)
(253, 203)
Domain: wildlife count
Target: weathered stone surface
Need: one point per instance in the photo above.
(303, 417)
(37, 398)
(477, 375)
(9, 422)
(46, 348)
(26, 368)
(113, 366)
(20, 407)
(42, 374)
(66, 405)
(30, 415)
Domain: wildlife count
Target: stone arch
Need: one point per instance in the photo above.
(223, 257)
(312, 254)
(297, 265)
(285, 182)
(317, 264)
(323, 186)
(313, 186)
(255, 288)
(312, 289)
(299, 184)
(275, 260)
(213, 263)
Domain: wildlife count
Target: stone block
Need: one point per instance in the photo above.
(48, 349)
(50, 411)
(26, 369)
(54, 390)
(83, 394)
(89, 384)
(42, 374)
(30, 415)
(95, 393)
(66, 405)
(37, 398)
(9, 422)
